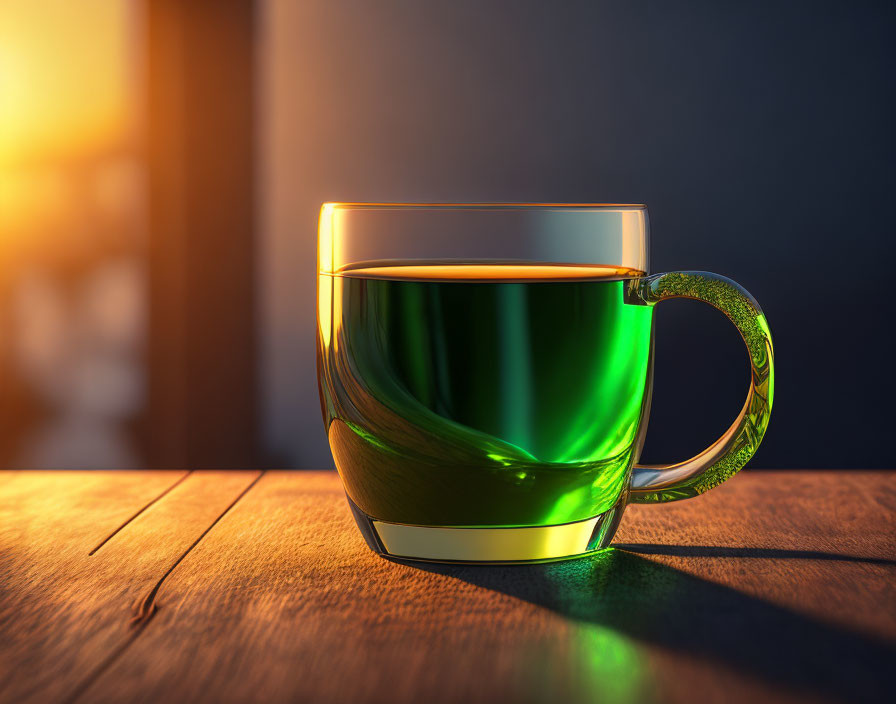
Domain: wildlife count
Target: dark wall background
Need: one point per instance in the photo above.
(760, 134)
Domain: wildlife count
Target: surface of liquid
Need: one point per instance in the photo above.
(483, 395)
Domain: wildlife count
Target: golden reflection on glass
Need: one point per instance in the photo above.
(324, 308)
(325, 266)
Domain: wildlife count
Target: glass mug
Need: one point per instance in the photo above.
(485, 375)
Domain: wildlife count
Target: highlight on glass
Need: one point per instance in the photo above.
(486, 370)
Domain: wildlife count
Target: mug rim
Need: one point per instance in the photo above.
(351, 205)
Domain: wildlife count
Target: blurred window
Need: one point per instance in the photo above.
(73, 281)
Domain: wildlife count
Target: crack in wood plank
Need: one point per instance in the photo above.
(140, 511)
(283, 599)
(146, 607)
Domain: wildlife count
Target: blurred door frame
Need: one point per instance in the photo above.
(203, 392)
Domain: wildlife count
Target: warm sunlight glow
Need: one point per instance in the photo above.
(64, 77)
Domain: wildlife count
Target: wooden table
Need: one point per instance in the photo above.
(247, 586)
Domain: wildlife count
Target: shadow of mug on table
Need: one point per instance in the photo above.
(660, 605)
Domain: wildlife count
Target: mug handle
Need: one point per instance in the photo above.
(727, 455)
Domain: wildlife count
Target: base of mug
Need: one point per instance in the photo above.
(489, 545)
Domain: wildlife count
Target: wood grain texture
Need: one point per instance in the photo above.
(63, 612)
(776, 586)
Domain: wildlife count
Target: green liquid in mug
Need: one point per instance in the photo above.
(484, 395)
